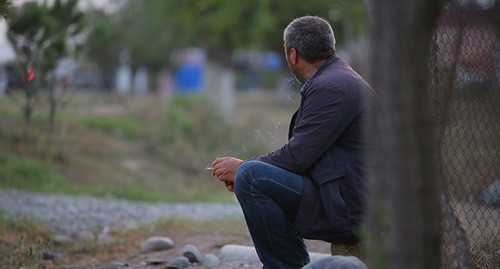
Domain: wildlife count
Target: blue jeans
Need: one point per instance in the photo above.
(270, 197)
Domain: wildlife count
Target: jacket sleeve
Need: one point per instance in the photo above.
(324, 115)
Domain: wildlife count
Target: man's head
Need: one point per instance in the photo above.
(312, 37)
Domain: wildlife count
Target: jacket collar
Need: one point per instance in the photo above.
(320, 69)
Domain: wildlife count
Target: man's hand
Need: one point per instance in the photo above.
(224, 168)
(229, 185)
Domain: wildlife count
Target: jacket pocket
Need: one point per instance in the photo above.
(338, 172)
(332, 200)
(323, 211)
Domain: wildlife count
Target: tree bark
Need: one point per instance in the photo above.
(405, 218)
(27, 112)
(52, 107)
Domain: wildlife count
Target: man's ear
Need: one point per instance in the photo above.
(293, 57)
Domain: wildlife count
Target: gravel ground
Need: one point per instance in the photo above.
(80, 217)
(77, 216)
(70, 215)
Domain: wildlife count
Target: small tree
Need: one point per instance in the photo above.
(5, 6)
(66, 22)
(27, 34)
(40, 35)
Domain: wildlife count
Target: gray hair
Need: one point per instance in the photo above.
(311, 36)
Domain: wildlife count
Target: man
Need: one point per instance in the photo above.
(312, 187)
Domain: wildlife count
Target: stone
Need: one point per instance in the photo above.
(238, 253)
(337, 262)
(178, 262)
(47, 256)
(314, 256)
(157, 243)
(156, 262)
(120, 264)
(211, 261)
(85, 236)
(249, 254)
(61, 239)
(192, 253)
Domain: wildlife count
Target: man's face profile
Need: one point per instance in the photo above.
(289, 54)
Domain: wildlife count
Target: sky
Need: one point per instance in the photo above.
(6, 52)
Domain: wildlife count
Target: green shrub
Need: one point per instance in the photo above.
(117, 126)
(195, 134)
(30, 175)
(169, 145)
(32, 241)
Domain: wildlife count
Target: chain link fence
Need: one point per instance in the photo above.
(465, 82)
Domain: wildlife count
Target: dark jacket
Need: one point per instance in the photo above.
(326, 146)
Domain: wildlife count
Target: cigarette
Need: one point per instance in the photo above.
(209, 168)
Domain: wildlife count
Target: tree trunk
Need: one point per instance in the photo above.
(404, 220)
(52, 108)
(27, 110)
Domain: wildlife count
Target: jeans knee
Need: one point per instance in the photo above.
(243, 178)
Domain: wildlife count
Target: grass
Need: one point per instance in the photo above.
(24, 174)
(117, 126)
(124, 245)
(142, 148)
(137, 148)
(25, 241)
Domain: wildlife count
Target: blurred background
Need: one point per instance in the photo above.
(134, 99)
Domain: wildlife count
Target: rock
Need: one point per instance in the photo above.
(61, 239)
(314, 256)
(47, 256)
(238, 253)
(211, 261)
(249, 254)
(491, 196)
(157, 243)
(179, 262)
(120, 264)
(111, 266)
(156, 262)
(337, 262)
(85, 236)
(192, 253)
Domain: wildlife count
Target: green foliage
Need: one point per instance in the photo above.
(162, 158)
(151, 30)
(26, 255)
(118, 126)
(195, 129)
(66, 21)
(187, 119)
(103, 41)
(7, 221)
(26, 31)
(40, 33)
(5, 7)
(30, 241)
(27, 174)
